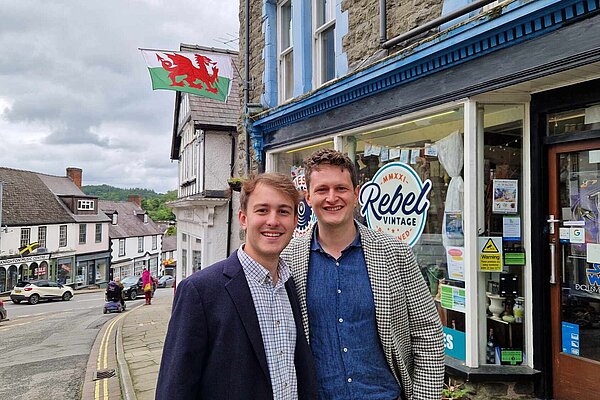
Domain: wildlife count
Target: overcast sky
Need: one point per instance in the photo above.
(75, 91)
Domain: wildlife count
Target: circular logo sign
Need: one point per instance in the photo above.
(395, 202)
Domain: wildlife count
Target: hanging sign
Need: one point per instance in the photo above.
(395, 202)
(490, 254)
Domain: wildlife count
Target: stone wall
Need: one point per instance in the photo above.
(496, 390)
(257, 43)
(362, 40)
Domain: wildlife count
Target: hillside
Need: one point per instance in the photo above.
(152, 202)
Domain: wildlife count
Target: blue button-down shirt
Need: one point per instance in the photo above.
(349, 359)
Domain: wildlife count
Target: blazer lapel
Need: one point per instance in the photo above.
(238, 289)
(299, 266)
(380, 285)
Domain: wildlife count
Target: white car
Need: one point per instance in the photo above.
(34, 291)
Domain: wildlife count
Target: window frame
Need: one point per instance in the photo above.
(42, 236)
(317, 37)
(98, 233)
(140, 244)
(25, 238)
(62, 236)
(121, 247)
(154, 242)
(85, 205)
(283, 75)
(82, 233)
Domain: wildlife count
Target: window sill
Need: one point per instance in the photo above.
(491, 373)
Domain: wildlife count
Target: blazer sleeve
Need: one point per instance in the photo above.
(425, 330)
(184, 351)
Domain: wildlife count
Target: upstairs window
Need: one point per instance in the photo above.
(324, 40)
(98, 233)
(154, 242)
(85, 204)
(42, 236)
(62, 236)
(25, 236)
(285, 50)
(115, 218)
(140, 244)
(82, 233)
(121, 247)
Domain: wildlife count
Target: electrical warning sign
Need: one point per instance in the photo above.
(490, 254)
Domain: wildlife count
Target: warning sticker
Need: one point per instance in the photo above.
(490, 255)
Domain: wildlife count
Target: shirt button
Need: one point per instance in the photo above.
(337, 264)
(339, 291)
(349, 380)
(341, 320)
(345, 349)
(277, 323)
(285, 384)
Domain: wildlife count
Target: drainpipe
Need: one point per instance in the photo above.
(230, 209)
(435, 23)
(247, 83)
(382, 22)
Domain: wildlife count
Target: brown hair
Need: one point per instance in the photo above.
(329, 157)
(277, 181)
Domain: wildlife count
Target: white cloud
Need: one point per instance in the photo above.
(74, 89)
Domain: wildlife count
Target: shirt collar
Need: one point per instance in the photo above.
(316, 246)
(260, 274)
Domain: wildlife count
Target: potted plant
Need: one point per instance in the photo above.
(235, 184)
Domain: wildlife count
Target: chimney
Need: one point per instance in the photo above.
(135, 199)
(75, 175)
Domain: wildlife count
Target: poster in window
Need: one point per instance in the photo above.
(505, 196)
(454, 226)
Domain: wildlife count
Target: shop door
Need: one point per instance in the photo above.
(574, 245)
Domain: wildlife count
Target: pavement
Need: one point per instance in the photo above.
(142, 336)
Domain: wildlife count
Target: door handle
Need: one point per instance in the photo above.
(552, 263)
(551, 221)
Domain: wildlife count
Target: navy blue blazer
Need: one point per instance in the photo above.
(214, 348)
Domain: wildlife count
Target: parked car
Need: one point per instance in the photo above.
(132, 287)
(34, 291)
(166, 281)
(3, 314)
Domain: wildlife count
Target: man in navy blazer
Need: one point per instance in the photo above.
(236, 328)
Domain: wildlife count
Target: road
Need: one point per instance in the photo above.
(45, 347)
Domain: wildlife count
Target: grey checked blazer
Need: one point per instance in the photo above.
(407, 320)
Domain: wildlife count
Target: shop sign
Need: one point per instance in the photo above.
(511, 357)
(453, 298)
(490, 254)
(455, 343)
(395, 202)
(570, 338)
(24, 260)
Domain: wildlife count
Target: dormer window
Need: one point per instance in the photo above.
(115, 217)
(85, 204)
(145, 218)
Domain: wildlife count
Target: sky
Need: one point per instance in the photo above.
(75, 90)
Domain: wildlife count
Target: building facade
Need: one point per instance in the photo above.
(135, 240)
(476, 141)
(205, 145)
(51, 230)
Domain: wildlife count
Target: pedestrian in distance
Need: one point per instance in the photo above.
(147, 286)
(372, 325)
(235, 331)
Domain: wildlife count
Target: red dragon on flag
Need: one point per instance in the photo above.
(203, 74)
(182, 66)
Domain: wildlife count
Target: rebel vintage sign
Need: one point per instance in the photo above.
(395, 202)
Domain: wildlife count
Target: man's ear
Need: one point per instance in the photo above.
(307, 197)
(243, 218)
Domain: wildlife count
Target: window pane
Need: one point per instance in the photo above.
(286, 25)
(327, 55)
(324, 12)
(288, 71)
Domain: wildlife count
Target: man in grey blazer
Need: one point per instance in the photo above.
(370, 321)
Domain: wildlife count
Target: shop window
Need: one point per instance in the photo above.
(581, 119)
(324, 40)
(285, 50)
(183, 263)
(501, 245)
(64, 271)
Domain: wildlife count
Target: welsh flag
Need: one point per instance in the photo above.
(207, 74)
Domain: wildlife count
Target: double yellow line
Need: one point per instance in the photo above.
(102, 362)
